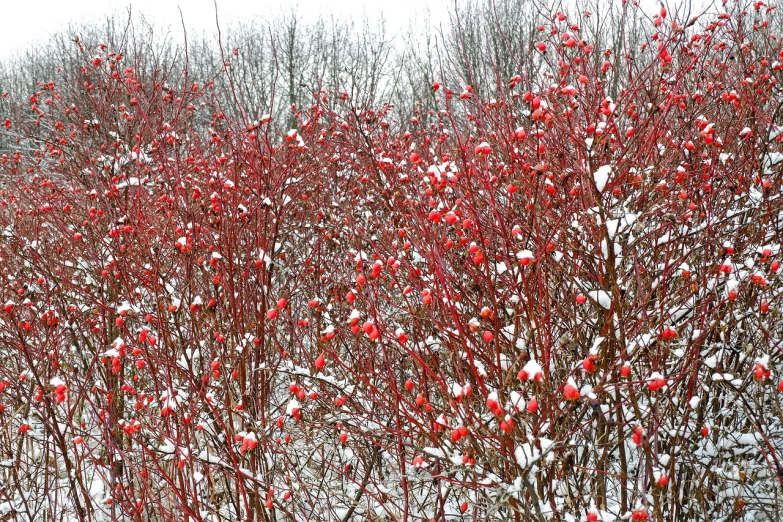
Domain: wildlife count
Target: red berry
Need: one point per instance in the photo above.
(571, 392)
(668, 333)
(589, 364)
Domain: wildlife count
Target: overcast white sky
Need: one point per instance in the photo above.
(27, 22)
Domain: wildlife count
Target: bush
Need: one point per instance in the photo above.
(551, 304)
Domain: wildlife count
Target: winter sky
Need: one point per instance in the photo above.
(23, 27)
